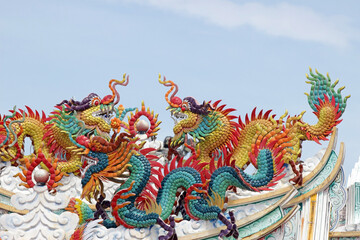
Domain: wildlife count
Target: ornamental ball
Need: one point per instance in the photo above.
(142, 126)
(41, 176)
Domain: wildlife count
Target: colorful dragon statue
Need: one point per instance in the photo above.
(213, 129)
(223, 148)
(148, 196)
(56, 135)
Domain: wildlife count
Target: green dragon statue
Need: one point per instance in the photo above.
(56, 135)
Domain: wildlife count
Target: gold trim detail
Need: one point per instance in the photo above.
(12, 209)
(311, 222)
(344, 234)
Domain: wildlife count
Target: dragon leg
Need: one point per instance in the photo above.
(171, 235)
(231, 229)
(180, 208)
(101, 205)
(298, 179)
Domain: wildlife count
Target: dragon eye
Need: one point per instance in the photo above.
(185, 106)
(95, 101)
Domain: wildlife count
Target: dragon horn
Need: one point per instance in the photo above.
(174, 103)
(112, 84)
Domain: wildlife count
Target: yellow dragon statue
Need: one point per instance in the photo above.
(214, 130)
(57, 134)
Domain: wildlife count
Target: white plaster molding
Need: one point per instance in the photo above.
(40, 222)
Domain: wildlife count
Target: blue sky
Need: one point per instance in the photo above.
(247, 53)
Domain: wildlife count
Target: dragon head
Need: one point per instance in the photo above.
(191, 117)
(91, 116)
(94, 113)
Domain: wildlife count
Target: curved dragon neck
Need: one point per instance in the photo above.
(60, 136)
(140, 175)
(61, 141)
(248, 135)
(218, 131)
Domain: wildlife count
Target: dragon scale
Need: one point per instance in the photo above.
(202, 185)
(92, 139)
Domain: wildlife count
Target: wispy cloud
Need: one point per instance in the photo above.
(284, 20)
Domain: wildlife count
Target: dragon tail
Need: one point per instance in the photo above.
(85, 231)
(327, 103)
(81, 209)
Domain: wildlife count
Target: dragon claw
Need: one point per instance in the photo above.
(232, 217)
(231, 229)
(101, 205)
(171, 235)
(298, 179)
